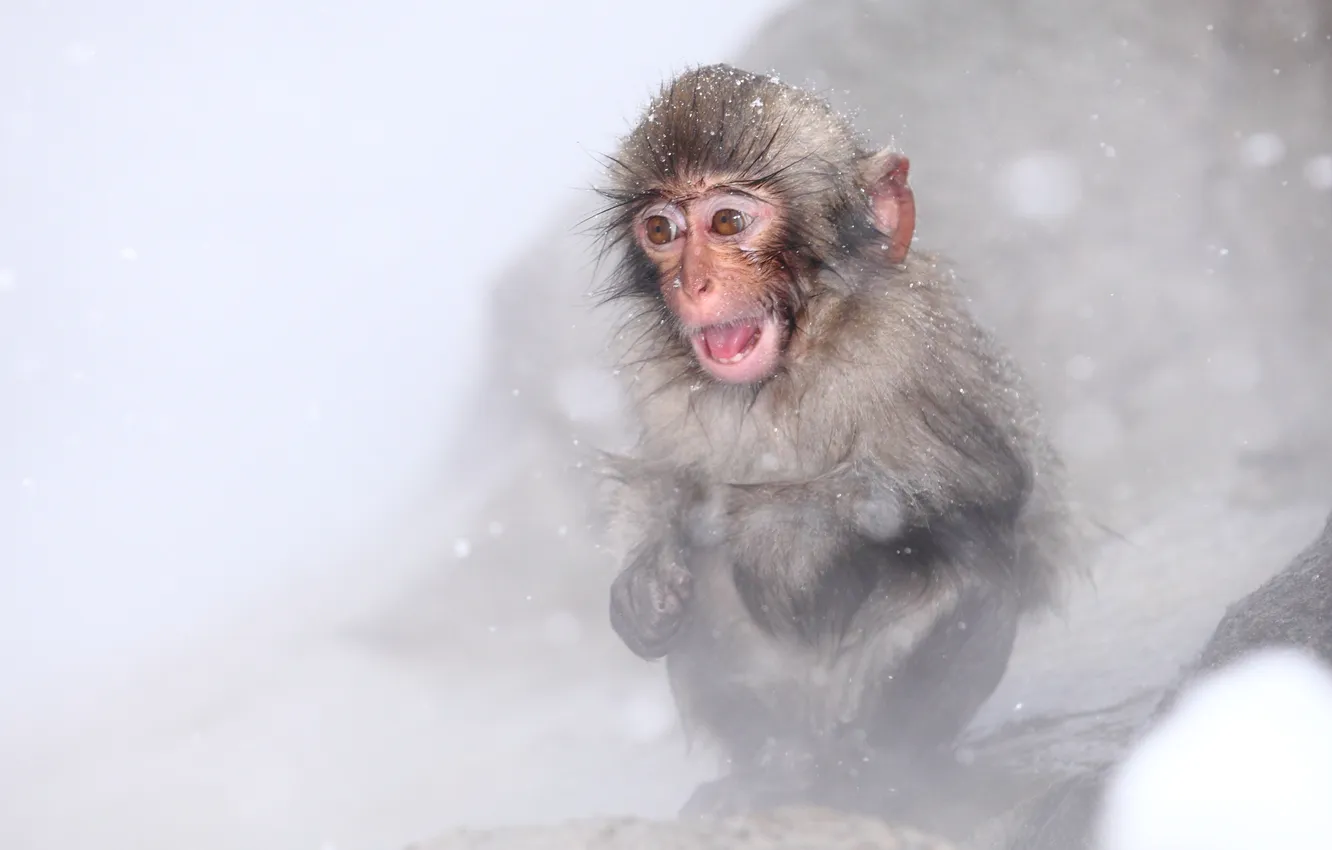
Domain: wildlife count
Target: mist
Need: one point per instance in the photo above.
(245, 253)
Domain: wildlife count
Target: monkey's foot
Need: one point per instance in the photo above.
(791, 772)
(746, 792)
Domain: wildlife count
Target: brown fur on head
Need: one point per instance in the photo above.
(731, 198)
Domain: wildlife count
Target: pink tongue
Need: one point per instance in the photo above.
(726, 342)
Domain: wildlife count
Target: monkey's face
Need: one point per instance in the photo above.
(716, 257)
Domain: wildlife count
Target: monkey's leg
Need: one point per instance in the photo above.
(920, 675)
(780, 752)
(743, 689)
(927, 701)
(790, 771)
(918, 664)
(1064, 817)
(745, 791)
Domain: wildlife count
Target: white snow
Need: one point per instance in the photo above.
(1318, 171)
(1243, 761)
(1263, 150)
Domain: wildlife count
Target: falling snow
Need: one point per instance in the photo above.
(1090, 430)
(588, 395)
(1263, 150)
(563, 628)
(1235, 368)
(1044, 186)
(1080, 367)
(648, 715)
(1318, 171)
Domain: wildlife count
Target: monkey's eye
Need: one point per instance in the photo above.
(660, 229)
(728, 222)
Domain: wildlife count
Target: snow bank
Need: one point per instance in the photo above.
(1243, 761)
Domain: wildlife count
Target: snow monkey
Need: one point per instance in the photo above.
(841, 499)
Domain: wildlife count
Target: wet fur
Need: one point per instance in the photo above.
(864, 528)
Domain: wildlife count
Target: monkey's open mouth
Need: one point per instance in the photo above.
(732, 343)
(739, 351)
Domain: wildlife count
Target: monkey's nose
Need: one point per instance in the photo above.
(695, 286)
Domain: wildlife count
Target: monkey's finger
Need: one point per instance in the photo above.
(681, 581)
(626, 625)
(657, 598)
(644, 614)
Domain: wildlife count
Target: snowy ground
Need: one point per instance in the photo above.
(182, 666)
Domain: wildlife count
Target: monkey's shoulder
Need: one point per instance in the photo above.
(907, 351)
(906, 314)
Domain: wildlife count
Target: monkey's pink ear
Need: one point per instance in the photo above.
(891, 201)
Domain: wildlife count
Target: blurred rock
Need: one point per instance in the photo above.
(1291, 610)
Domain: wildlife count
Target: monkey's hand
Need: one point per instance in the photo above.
(649, 598)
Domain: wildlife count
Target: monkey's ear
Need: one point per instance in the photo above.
(891, 200)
